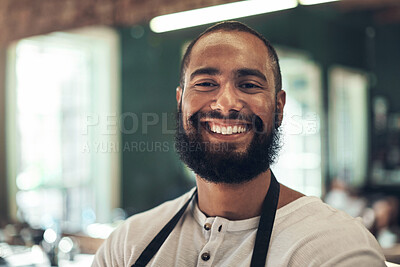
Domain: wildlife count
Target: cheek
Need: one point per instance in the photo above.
(192, 103)
(265, 110)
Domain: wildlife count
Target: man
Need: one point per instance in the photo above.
(230, 106)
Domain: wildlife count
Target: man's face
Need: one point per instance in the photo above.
(228, 105)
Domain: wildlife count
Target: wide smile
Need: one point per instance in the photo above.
(226, 130)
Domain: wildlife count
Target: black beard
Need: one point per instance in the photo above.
(218, 162)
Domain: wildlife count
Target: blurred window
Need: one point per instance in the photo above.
(299, 163)
(62, 165)
(348, 115)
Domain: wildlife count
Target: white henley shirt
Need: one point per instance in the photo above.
(306, 232)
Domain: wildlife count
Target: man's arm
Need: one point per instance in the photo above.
(366, 257)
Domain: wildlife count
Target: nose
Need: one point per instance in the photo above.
(227, 100)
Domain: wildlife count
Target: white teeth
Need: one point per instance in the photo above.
(223, 130)
(227, 129)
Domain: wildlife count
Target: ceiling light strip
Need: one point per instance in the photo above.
(315, 2)
(212, 14)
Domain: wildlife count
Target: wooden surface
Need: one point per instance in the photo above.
(392, 254)
(87, 245)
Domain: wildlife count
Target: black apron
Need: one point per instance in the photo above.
(262, 238)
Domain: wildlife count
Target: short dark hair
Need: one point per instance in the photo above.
(234, 26)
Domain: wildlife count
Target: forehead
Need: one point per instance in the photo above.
(230, 48)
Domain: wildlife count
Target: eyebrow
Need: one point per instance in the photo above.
(251, 72)
(208, 71)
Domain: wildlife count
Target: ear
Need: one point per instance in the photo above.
(178, 95)
(280, 104)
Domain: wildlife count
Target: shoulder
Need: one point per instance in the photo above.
(127, 242)
(319, 232)
(287, 195)
(156, 217)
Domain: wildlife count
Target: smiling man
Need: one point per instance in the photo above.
(230, 104)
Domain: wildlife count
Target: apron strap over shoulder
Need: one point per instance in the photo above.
(160, 238)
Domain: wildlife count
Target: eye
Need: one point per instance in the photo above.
(249, 86)
(205, 84)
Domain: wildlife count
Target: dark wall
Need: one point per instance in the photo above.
(385, 143)
(151, 171)
(387, 65)
(150, 76)
(4, 213)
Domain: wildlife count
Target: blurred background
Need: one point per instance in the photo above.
(87, 114)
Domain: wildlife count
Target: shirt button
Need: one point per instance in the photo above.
(207, 226)
(205, 256)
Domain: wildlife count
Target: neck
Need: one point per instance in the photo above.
(233, 201)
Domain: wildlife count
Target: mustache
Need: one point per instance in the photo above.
(214, 114)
